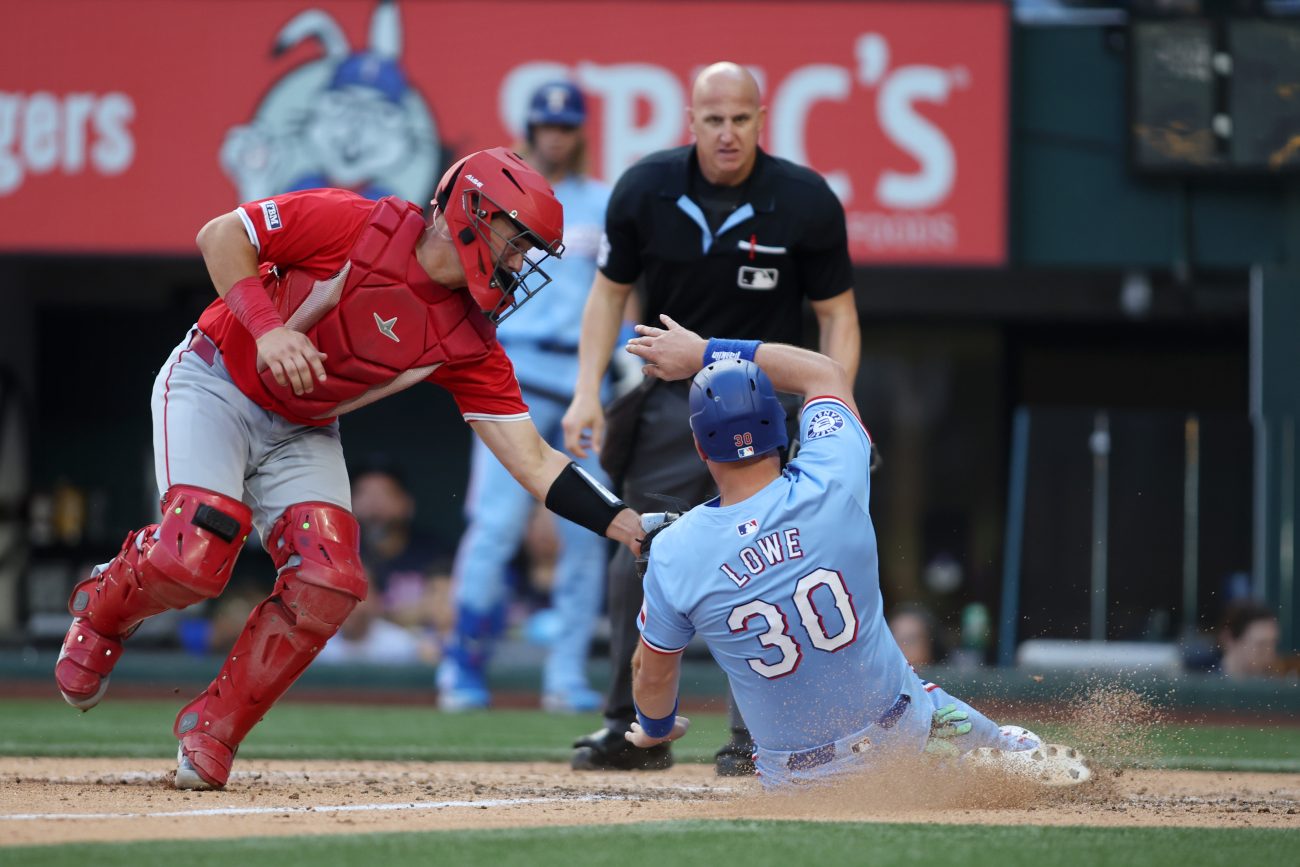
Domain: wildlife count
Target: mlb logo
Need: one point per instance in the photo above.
(271, 216)
(757, 278)
(748, 528)
(746, 452)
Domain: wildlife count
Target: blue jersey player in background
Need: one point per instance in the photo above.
(542, 342)
(779, 576)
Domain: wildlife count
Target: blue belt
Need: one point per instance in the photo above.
(806, 760)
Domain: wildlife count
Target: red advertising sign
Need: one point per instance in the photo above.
(125, 126)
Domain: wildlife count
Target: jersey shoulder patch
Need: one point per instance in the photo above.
(271, 215)
(823, 422)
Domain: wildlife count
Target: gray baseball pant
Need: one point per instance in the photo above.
(209, 434)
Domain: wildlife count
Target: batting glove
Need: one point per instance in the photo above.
(947, 723)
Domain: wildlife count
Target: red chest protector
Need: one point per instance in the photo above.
(383, 324)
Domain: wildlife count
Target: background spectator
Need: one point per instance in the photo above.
(367, 637)
(916, 632)
(401, 560)
(1249, 640)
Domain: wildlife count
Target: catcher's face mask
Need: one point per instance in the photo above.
(505, 222)
(514, 256)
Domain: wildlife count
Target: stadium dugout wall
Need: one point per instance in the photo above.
(1080, 202)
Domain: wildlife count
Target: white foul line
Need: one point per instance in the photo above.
(336, 808)
(345, 808)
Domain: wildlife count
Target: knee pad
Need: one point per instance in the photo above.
(319, 545)
(317, 548)
(184, 559)
(197, 542)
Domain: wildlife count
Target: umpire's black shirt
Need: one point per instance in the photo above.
(784, 240)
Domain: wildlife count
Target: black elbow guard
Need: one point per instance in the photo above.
(586, 502)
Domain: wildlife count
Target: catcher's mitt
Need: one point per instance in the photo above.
(653, 523)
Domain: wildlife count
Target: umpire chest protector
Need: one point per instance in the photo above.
(745, 275)
(383, 324)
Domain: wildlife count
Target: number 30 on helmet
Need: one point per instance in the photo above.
(497, 183)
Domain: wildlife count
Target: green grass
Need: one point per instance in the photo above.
(142, 729)
(34, 727)
(681, 844)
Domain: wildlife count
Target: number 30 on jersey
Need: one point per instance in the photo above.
(778, 628)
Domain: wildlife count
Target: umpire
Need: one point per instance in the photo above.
(727, 240)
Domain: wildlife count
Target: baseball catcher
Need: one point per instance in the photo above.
(328, 302)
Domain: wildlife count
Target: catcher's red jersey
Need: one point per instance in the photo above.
(342, 270)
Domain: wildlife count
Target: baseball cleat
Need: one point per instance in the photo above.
(202, 763)
(1016, 738)
(463, 700)
(736, 758)
(461, 689)
(187, 776)
(1047, 764)
(608, 750)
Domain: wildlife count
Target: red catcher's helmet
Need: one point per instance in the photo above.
(495, 183)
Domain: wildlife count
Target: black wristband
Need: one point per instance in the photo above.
(586, 502)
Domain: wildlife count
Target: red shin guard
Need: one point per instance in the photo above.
(184, 559)
(316, 547)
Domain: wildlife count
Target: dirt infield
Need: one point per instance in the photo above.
(66, 800)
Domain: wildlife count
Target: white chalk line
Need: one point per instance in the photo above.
(335, 808)
(354, 808)
(303, 776)
(276, 776)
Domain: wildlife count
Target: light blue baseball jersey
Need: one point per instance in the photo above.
(784, 587)
(541, 337)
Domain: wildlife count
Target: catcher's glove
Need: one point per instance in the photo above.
(653, 523)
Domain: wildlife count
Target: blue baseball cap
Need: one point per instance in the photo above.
(735, 413)
(367, 69)
(559, 103)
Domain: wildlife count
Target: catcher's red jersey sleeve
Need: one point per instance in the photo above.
(312, 229)
(485, 389)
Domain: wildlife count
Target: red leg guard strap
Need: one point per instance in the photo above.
(321, 580)
(85, 662)
(94, 652)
